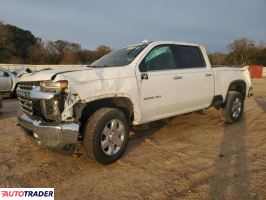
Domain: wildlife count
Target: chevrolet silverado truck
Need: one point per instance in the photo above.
(97, 104)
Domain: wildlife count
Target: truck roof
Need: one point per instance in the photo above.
(165, 42)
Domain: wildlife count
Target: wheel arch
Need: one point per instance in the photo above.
(84, 110)
(237, 85)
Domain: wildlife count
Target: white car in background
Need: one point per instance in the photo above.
(1, 101)
(9, 80)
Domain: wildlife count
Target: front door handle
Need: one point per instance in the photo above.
(177, 77)
(144, 76)
(208, 74)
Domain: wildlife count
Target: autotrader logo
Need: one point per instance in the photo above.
(27, 193)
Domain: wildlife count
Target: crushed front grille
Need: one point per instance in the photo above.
(26, 105)
(29, 106)
(32, 107)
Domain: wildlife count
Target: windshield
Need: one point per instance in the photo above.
(119, 57)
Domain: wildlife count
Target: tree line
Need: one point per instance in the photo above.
(241, 52)
(18, 46)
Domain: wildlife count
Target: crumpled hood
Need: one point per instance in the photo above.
(48, 74)
(86, 81)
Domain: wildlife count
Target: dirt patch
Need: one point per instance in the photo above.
(193, 156)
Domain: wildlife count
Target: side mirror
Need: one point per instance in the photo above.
(142, 67)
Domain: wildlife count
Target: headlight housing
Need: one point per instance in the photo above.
(50, 109)
(54, 86)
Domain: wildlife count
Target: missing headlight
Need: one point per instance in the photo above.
(50, 109)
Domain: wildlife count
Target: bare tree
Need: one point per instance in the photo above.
(241, 51)
(101, 51)
(38, 52)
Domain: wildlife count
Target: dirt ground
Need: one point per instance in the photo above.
(193, 156)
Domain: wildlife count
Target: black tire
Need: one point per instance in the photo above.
(228, 113)
(93, 135)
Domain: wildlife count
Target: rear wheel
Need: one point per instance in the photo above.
(234, 107)
(106, 135)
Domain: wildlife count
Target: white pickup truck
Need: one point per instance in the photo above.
(131, 86)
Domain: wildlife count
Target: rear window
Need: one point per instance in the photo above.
(188, 56)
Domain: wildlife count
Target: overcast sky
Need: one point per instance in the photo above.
(117, 23)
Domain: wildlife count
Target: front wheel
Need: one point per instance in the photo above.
(106, 135)
(234, 107)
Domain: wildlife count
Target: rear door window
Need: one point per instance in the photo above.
(188, 56)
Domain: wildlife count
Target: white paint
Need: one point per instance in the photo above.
(13, 67)
(168, 96)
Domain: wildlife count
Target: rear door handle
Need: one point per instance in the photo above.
(208, 74)
(177, 77)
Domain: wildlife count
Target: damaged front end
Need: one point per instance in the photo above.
(59, 108)
(48, 113)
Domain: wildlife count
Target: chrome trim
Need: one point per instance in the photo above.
(27, 87)
(26, 105)
(25, 100)
(50, 135)
(35, 93)
(236, 108)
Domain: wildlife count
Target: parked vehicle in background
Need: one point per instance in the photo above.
(9, 80)
(130, 86)
(1, 101)
(22, 71)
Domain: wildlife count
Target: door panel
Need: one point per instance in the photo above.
(174, 92)
(159, 94)
(198, 82)
(5, 81)
(168, 89)
(196, 90)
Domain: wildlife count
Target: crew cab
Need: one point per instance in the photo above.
(96, 105)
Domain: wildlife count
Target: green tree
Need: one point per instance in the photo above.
(261, 57)
(21, 46)
(15, 43)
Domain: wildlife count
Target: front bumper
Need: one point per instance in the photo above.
(57, 137)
